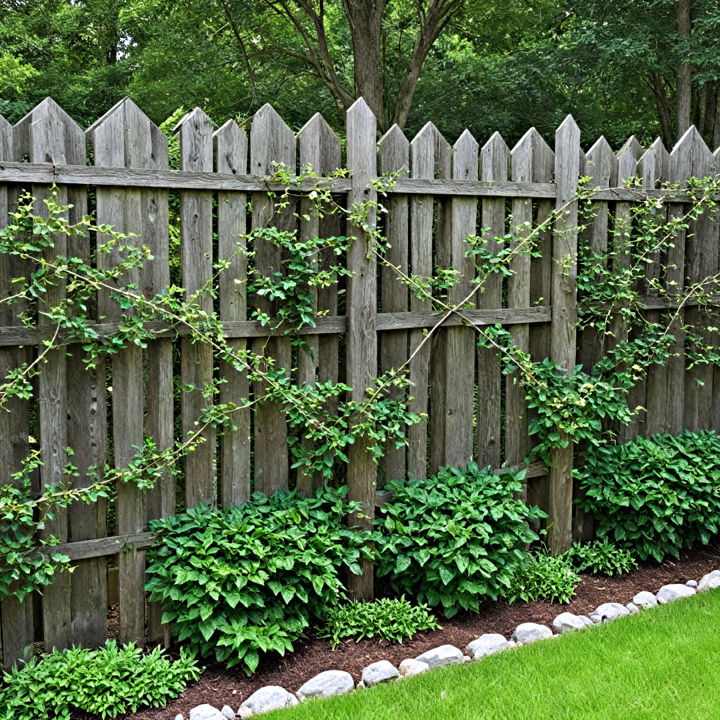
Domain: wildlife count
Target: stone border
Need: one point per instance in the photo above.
(338, 682)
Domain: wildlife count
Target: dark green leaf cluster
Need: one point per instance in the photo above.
(456, 538)
(654, 495)
(544, 577)
(601, 557)
(110, 681)
(242, 581)
(392, 619)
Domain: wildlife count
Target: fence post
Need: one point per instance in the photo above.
(361, 334)
(564, 315)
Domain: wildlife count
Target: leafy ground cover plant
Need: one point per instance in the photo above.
(544, 577)
(241, 581)
(393, 619)
(654, 495)
(107, 682)
(601, 557)
(456, 538)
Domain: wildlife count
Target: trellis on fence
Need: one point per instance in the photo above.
(119, 168)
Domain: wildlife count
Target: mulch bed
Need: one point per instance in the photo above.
(219, 686)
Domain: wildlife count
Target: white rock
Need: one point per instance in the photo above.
(206, 712)
(530, 632)
(466, 658)
(567, 622)
(711, 581)
(378, 672)
(633, 608)
(674, 591)
(443, 655)
(266, 699)
(228, 712)
(645, 600)
(179, 716)
(410, 666)
(360, 686)
(245, 713)
(488, 644)
(607, 612)
(692, 583)
(327, 684)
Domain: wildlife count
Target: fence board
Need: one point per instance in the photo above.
(231, 156)
(16, 619)
(394, 157)
(427, 150)
(715, 406)
(319, 148)
(271, 141)
(564, 302)
(495, 168)
(361, 336)
(196, 153)
(653, 167)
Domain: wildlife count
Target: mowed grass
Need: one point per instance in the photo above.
(661, 664)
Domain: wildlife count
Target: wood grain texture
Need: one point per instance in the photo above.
(16, 618)
(196, 230)
(48, 134)
(394, 157)
(564, 302)
(430, 156)
(271, 141)
(361, 337)
(231, 157)
(318, 358)
(495, 158)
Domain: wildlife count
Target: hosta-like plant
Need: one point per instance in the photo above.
(654, 495)
(456, 538)
(239, 582)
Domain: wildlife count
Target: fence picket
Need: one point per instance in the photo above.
(271, 141)
(16, 618)
(231, 156)
(564, 302)
(361, 335)
(394, 157)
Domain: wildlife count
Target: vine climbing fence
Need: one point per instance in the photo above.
(368, 323)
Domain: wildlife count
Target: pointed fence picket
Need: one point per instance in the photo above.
(368, 324)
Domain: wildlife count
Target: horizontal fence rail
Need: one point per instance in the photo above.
(192, 212)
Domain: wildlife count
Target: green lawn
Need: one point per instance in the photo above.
(661, 664)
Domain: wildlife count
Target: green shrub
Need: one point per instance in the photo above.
(654, 495)
(456, 538)
(544, 577)
(108, 682)
(389, 619)
(241, 581)
(601, 557)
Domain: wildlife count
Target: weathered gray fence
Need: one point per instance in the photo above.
(444, 194)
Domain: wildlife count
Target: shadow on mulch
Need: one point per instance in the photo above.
(219, 686)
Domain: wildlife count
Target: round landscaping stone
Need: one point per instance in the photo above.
(266, 699)
(206, 712)
(692, 583)
(228, 712)
(711, 581)
(327, 684)
(608, 612)
(379, 672)
(488, 644)
(244, 713)
(567, 622)
(674, 591)
(526, 633)
(633, 608)
(645, 600)
(443, 655)
(179, 716)
(410, 666)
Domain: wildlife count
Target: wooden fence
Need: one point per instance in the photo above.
(119, 169)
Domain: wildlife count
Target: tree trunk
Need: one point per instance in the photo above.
(684, 77)
(662, 106)
(707, 128)
(365, 20)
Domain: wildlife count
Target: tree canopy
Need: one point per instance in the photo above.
(650, 67)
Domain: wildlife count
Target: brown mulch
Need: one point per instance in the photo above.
(219, 686)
